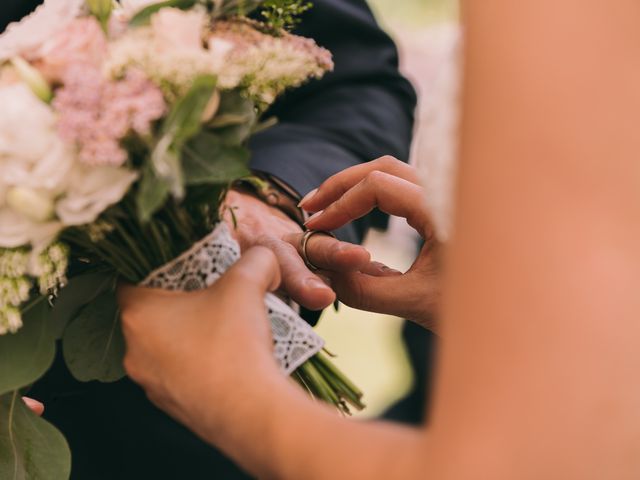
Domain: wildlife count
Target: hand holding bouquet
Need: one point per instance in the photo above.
(123, 125)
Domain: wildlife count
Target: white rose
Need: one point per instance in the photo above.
(91, 191)
(34, 204)
(33, 159)
(31, 32)
(17, 230)
(33, 154)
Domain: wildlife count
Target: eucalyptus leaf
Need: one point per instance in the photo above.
(234, 109)
(27, 355)
(185, 118)
(30, 447)
(152, 193)
(144, 15)
(183, 123)
(80, 290)
(206, 160)
(93, 345)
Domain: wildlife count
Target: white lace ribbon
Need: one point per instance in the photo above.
(202, 265)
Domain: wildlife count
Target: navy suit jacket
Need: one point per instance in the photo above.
(363, 110)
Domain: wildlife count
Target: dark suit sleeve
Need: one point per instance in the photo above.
(361, 111)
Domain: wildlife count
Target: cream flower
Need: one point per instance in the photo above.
(31, 32)
(35, 163)
(82, 42)
(43, 186)
(174, 28)
(91, 191)
(32, 153)
(169, 51)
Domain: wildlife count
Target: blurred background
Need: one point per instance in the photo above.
(369, 347)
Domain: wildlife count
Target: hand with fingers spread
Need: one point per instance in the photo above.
(256, 223)
(392, 186)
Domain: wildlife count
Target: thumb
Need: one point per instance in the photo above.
(257, 269)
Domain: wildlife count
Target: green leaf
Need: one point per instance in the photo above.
(144, 15)
(152, 193)
(80, 290)
(206, 160)
(30, 447)
(183, 123)
(185, 119)
(27, 355)
(234, 7)
(234, 109)
(93, 345)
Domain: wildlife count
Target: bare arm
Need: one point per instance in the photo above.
(541, 315)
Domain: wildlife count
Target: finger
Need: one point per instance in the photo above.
(298, 281)
(35, 406)
(328, 253)
(337, 185)
(377, 269)
(257, 271)
(380, 294)
(392, 195)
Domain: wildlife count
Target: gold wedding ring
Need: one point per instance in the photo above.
(304, 241)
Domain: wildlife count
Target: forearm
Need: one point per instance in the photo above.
(302, 439)
(541, 306)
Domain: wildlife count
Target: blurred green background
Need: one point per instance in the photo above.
(368, 346)
(416, 14)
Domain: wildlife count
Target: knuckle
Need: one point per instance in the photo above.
(387, 161)
(288, 249)
(375, 178)
(265, 241)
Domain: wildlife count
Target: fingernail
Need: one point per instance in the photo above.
(314, 217)
(315, 283)
(389, 270)
(307, 197)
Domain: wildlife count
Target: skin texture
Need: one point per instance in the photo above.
(258, 224)
(35, 406)
(352, 194)
(537, 371)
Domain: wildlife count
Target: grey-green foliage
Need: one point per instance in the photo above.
(26, 355)
(93, 344)
(30, 447)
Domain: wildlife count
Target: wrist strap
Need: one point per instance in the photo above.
(274, 192)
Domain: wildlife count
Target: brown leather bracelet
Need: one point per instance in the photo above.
(274, 192)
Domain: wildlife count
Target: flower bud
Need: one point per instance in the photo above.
(31, 203)
(101, 9)
(33, 78)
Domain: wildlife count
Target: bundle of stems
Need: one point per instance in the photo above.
(134, 249)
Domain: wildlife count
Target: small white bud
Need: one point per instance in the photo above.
(31, 203)
(33, 78)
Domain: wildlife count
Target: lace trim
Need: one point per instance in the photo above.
(294, 340)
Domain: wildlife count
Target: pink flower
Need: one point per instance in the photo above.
(96, 113)
(174, 28)
(83, 41)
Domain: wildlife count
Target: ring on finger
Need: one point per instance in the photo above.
(304, 242)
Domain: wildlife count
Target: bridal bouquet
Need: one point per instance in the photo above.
(122, 126)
